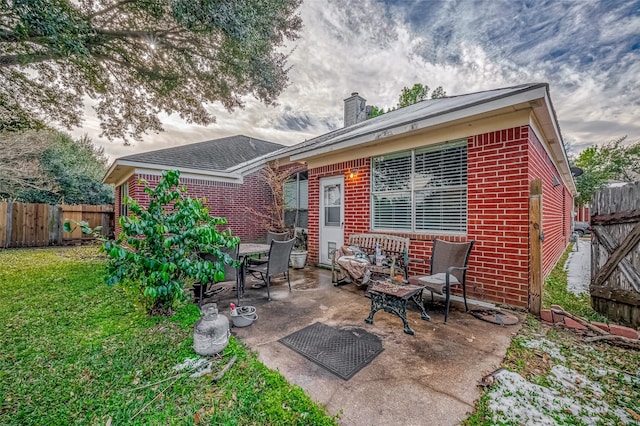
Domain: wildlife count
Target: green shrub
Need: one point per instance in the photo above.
(158, 250)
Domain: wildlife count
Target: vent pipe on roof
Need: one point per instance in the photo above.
(355, 109)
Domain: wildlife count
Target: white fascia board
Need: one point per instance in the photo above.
(252, 166)
(345, 141)
(552, 130)
(110, 170)
(156, 169)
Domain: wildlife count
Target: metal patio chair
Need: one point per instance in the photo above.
(278, 263)
(271, 236)
(449, 264)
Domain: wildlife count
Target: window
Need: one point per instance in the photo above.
(296, 198)
(422, 190)
(124, 192)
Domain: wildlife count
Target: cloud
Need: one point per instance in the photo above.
(589, 53)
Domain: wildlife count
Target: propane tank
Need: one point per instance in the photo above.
(211, 332)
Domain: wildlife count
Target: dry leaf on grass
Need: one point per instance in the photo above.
(633, 414)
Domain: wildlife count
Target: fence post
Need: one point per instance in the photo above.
(535, 247)
(5, 224)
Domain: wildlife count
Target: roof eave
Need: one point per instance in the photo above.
(460, 113)
(130, 166)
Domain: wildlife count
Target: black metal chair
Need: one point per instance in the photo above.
(278, 263)
(271, 236)
(449, 264)
(231, 276)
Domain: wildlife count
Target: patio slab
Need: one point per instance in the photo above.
(428, 378)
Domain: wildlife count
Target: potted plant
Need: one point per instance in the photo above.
(298, 255)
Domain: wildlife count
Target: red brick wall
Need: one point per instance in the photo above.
(557, 204)
(498, 216)
(498, 213)
(229, 200)
(356, 200)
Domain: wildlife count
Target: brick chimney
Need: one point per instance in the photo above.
(355, 109)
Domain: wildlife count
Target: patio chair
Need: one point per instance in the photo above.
(278, 263)
(448, 268)
(271, 236)
(205, 290)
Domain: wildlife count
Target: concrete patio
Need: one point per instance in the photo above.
(429, 378)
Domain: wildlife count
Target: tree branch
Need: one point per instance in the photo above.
(13, 60)
(110, 8)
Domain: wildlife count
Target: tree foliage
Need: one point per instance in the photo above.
(157, 252)
(417, 93)
(51, 167)
(374, 111)
(136, 59)
(612, 161)
(409, 96)
(20, 168)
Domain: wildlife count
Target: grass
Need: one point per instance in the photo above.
(559, 378)
(556, 293)
(75, 351)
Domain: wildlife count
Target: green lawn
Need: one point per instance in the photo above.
(75, 351)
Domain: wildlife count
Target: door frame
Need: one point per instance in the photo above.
(337, 233)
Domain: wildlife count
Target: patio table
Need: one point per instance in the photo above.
(392, 297)
(245, 250)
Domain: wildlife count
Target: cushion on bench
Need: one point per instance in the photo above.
(396, 250)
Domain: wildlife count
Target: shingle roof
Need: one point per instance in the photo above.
(418, 111)
(214, 155)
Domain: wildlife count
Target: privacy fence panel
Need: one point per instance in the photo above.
(38, 225)
(615, 253)
(94, 215)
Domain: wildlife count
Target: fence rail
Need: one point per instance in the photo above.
(615, 260)
(39, 225)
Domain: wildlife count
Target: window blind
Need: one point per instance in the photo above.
(421, 190)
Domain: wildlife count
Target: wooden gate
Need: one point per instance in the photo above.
(615, 253)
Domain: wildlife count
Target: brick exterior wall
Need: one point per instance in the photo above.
(229, 200)
(356, 201)
(557, 205)
(501, 165)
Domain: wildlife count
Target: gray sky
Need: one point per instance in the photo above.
(587, 50)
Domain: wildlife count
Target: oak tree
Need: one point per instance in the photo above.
(409, 96)
(134, 60)
(602, 164)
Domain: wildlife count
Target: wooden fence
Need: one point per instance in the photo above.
(38, 225)
(615, 253)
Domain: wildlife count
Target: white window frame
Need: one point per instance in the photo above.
(413, 190)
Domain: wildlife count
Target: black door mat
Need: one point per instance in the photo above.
(342, 352)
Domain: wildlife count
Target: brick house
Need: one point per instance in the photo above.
(457, 168)
(225, 171)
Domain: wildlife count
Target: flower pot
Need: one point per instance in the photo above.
(298, 259)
